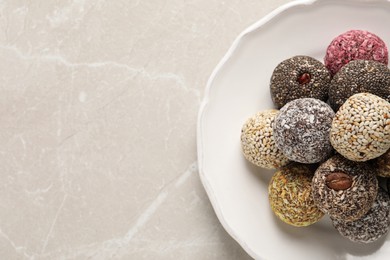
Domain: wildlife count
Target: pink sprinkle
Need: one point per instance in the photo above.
(354, 45)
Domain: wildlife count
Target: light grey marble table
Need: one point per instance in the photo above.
(98, 122)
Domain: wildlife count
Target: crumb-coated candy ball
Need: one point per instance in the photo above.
(354, 45)
(382, 164)
(301, 130)
(361, 128)
(299, 77)
(359, 76)
(257, 141)
(344, 189)
(371, 226)
(289, 194)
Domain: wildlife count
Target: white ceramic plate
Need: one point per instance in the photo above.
(237, 89)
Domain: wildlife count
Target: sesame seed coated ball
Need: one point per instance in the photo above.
(371, 226)
(382, 164)
(290, 195)
(257, 141)
(301, 130)
(344, 189)
(361, 128)
(299, 77)
(354, 45)
(359, 76)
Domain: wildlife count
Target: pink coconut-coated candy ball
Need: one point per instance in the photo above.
(354, 45)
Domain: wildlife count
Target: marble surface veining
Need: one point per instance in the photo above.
(99, 102)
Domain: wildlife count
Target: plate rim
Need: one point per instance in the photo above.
(205, 101)
(207, 186)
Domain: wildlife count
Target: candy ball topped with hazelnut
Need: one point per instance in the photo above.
(299, 77)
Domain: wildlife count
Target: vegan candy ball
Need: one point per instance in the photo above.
(344, 189)
(301, 130)
(359, 76)
(361, 128)
(290, 195)
(354, 45)
(371, 226)
(257, 141)
(299, 77)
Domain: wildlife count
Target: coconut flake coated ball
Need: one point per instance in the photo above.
(301, 130)
(371, 226)
(344, 189)
(354, 45)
